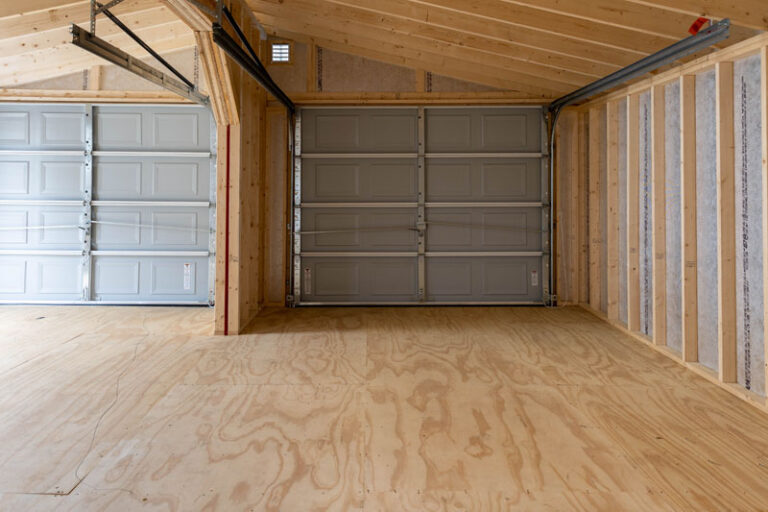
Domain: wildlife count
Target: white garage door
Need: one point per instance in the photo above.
(421, 206)
(106, 204)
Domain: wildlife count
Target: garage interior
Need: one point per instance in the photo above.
(362, 255)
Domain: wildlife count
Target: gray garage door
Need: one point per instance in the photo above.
(420, 206)
(106, 204)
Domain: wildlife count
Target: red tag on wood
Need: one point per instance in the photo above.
(697, 25)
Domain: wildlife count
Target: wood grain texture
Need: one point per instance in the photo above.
(596, 115)
(612, 236)
(659, 214)
(633, 212)
(374, 409)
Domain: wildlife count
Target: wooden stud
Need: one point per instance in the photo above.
(633, 212)
(421, 80)
(690, 327)
(595, 188)
(572, 214)
(583, 208)
(659, 216)
(726, 222)
(311, 67)
(94, 78)
(612, 234)
(764, 137)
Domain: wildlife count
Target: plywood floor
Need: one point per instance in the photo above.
(439, 409)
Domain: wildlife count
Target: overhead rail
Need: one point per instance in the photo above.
(89, 42)
(705, 38)
(247, 59)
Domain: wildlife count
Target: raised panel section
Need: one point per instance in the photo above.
(503, 132)
(13, 276)
(451, 229)
(116, 276)
(336, 180)
(117, 180)
(176, 130)
(358, 229)
(175, 180)
(63, 180)
(63, 129)
(359, 180)
(504, 229)
(174, 228)
(118, 130)
(449, 277)
(173, 277)
(59, 276)
(60, 227)
(359, 130)
(116, 229)
(394, 278)
(337, 278)
(484, 229)
(449, 181)
(484, 180)
(505, 278)
(14, 128)
(492, 130)
(14, 178)
(13, 227)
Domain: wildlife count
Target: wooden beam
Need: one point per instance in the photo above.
(63, 60)
(726, 222)
(41, 22)
(421, 81)
(51, 36)
(571, 215)
(13, 8)
(311, 67)
(415, 98)
(612, 234)
(595, 198)
(400, 56)
(748, 13)
(78, 96)
(469, 23)
(304, 17)
(690, 327)
(557, 25)
(483, 48)
(190, 15)
(94, 77)
(659, 214)
(633, 212)
(583, 207)
(764, 137)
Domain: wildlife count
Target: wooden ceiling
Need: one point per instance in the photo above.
(542, 48)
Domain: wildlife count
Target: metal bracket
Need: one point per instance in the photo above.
(89, 42)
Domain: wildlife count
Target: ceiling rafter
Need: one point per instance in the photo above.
(67, 59)
(483, 26)
(37, 41)
(504, 51)
(396, 55)
(747, 13)
(556, 24)
(58, 17)
(318, 23)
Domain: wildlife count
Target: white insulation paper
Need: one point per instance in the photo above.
(645, 223)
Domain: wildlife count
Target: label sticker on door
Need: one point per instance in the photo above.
(187, 276)
(534, 278)
(307, 281)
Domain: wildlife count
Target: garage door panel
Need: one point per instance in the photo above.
(62, 129)
(150, 278)
(41, 177)
(359, 131)
(359, 180)
(15, 129)
(157, 128)
(484, 229)
(40, 278)
(152, 178)
(477, 130)
(150, 228)
(483, 179)
(40, 227)
(355, 280)
(484, 279)
(13, 276)
(42, 127)
(471, 229)
(354, 230)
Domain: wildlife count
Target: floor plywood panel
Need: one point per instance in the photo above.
(441, 409)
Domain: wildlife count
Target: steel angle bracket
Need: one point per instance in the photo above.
(92, 44)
